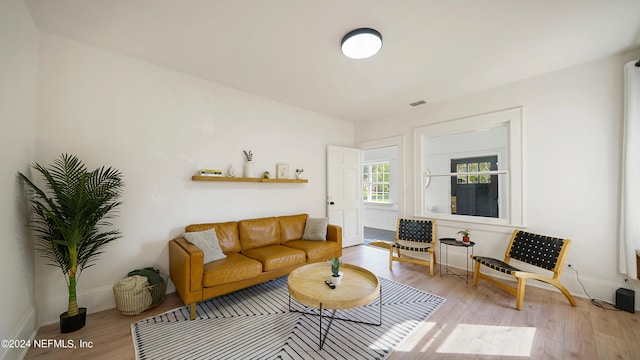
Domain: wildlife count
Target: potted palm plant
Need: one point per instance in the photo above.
(68, 220)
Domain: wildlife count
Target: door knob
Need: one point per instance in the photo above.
(331, 203)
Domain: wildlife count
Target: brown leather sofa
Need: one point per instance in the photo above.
(257, 250)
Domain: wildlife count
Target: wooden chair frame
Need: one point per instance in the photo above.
(553, 263)
(402, 242)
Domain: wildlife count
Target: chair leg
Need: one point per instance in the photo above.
(431, 261)
(391, 258)
(476, 271)
(564, 290)
(520, 293)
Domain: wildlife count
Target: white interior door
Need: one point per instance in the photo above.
(344, 192)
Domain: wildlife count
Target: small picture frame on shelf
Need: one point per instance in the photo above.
(282, 171)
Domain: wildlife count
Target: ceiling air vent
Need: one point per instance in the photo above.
(418, 103)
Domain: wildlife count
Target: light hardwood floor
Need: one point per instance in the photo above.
(474, 323)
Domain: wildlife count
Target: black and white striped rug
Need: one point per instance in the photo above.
(255, 323)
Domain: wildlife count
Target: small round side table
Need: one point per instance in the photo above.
(453, 242)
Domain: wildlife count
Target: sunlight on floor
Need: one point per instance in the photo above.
(417, 336)
(489, 340)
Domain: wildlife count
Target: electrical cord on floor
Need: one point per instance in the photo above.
(597, 302)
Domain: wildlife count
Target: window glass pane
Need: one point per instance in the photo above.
(437, 196)
(485, 179)
(472, 167)
(376, 181)
(462, 179)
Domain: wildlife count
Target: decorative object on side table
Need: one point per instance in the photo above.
(299, 173)
(68, 218)
(336, 274)
(266, 175)
(465, 236)
(282, 171)
(248, 165)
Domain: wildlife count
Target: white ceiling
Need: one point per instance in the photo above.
(289, 50)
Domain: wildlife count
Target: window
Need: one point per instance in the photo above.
(375, 180)
(470, 169)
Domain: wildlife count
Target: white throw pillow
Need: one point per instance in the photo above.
(315, 229)
(207, 241)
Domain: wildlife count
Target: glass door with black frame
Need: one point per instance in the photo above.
(475, 194)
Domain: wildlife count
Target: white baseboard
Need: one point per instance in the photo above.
(596, 288)
(94, 300)
(26, 330)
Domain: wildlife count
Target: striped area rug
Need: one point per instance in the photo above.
(255, 323)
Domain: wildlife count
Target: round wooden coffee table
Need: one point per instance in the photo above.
(359, 287)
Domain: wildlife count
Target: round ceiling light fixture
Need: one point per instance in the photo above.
(361, 43)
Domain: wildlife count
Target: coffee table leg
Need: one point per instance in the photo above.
(322, 338)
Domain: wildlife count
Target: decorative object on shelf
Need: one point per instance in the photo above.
(465, 236)
(210, 172)
(248, 165)
(336, 274)
(282, 171)
(68, 220)
(299, 173)
(266, 175)
(230, 171)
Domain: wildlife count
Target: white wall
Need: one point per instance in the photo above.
(572, 129)
(158, 127)
(18, 100)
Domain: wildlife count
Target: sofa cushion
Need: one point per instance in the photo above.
(256, 233)
(235, 267)
(276, 256)
(227, 233)
(315, 250)
(292, 227)
(315, 229)
(207, 241)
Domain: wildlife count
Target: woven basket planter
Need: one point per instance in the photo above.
(137, 301)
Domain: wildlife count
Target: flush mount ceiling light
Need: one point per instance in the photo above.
(361, 43)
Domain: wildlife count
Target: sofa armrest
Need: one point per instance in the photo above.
(334, 233)
(186, 264)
